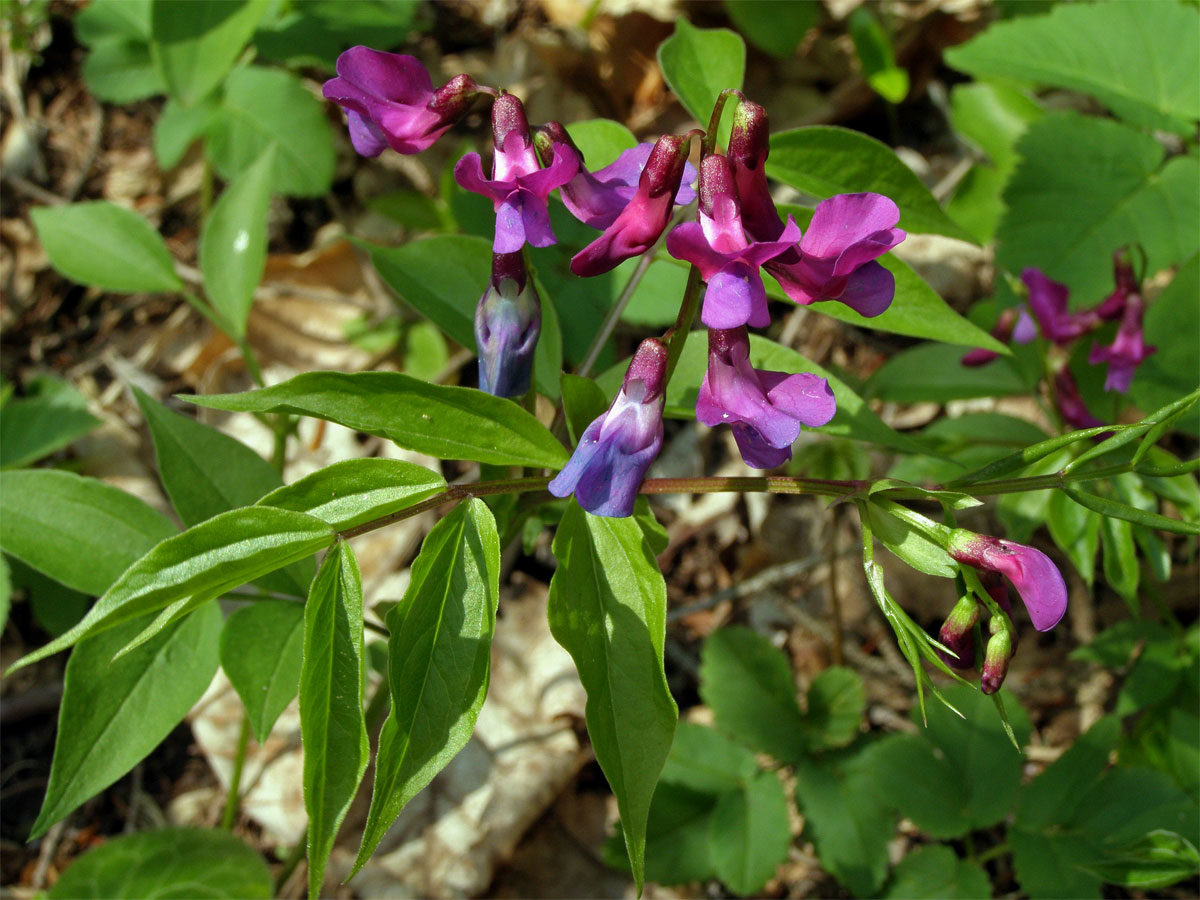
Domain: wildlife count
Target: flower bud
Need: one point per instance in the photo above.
(716, 180)
(958, 634)
(614, 452)
(996, 657)
(749, 146)
(1036, 578)
(508, 321)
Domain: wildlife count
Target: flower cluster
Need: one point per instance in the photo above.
(1038, 582)
(390, 101)
(1048, 311)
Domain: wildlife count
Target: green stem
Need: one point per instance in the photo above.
(991, 853)
(678, 334)
(229, 817)
(290, 862)
(614, 314)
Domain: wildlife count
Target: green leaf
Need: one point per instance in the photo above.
(704, 759)
(823, 160)
(233, 243)
(203, 562)
(1125, 55)
(1169, 373)
(332, 725)
(1118, 510)
(993, 116)
(1121, 569)
(934, 372)
(354, 491)
(677, 837)
(918, 783)
(206, 472)
(774, 27)
(601, 141)
(195, 44)
(261, 651)
(750, 833)
(105, 245)
(876, 57)
(178, 127)
(901, 535)
(608, 610)
(441, 277)
(121, 70)
(262, 107)
(699, 63)
(583, 401)
(438, 661)
(5, 592)
(78, 531)
(172, 862)
(935, 873)
(1159, 859)
(836, 702)
(114, 712)
(748, 684)
(441, 420)
(316, 31)
(50, 416)
(846, 822)
(548, 355)
(1054, 796)
(1085, 186)
(1076, 530)
(113, 19)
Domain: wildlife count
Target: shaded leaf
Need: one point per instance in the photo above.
(699, 63)
(261, 650)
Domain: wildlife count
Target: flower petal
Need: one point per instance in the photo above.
(869, 290)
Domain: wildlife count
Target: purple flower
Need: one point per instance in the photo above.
(508, 321)
(614, 452)
(729, 263)
(1014, 323)
(1036, 578)
(1048, 301)
(765, 409)
(642, 220)
(390, 101)
(597, 198)
(519, 186)
(1070, 402)
(958, 634)
(749, 146)
(1128, 350)
(837, 254)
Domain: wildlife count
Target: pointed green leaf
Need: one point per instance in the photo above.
(601, 141)
(105, 245)
(178, 127)
(78, 531)
(774, 27)
(332, 725)
(233, 242)
(748, 684)
(50, 416)
(172, 862)
(1117, 510)
(750, 833)
(1128, 56)
(114, 713)
(355, 491)
(441, 420)
(438, 661)
(121, 70)
(261, 652)
(608, 610)
(699, 63)
(824, 160)
(836, 702)
(196, 44)
(205, 561)
(934, 372)
(1076, 530)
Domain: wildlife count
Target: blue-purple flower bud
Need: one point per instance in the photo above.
(508, 321)
(614, 452)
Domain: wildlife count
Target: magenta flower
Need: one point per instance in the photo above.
(1128, 350)
(390, 101)
(597, 198)
(1037, 580)
(642, 220)
(1048, 301)
(614, 452)
(847, 234)
(519, 186)
(1070, 402)
(508, 321)
(717, 246)
(765, 409)
(749, 147)
(1013, 324)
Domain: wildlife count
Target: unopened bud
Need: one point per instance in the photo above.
(508, 321)
(958, 634)
(716, 178)
(508, 115)
(452, 99)
(996, 657)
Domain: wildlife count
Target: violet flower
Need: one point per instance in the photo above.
(390, 101)
(1070, 402)
(644, 218)
(508, 321)
(1048, 302)
(614, 452)
(1127, 350)
(729, 263)
(1013, 324)
(597, 198)
(519, 186)
(765, 409)
(1036, 578)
